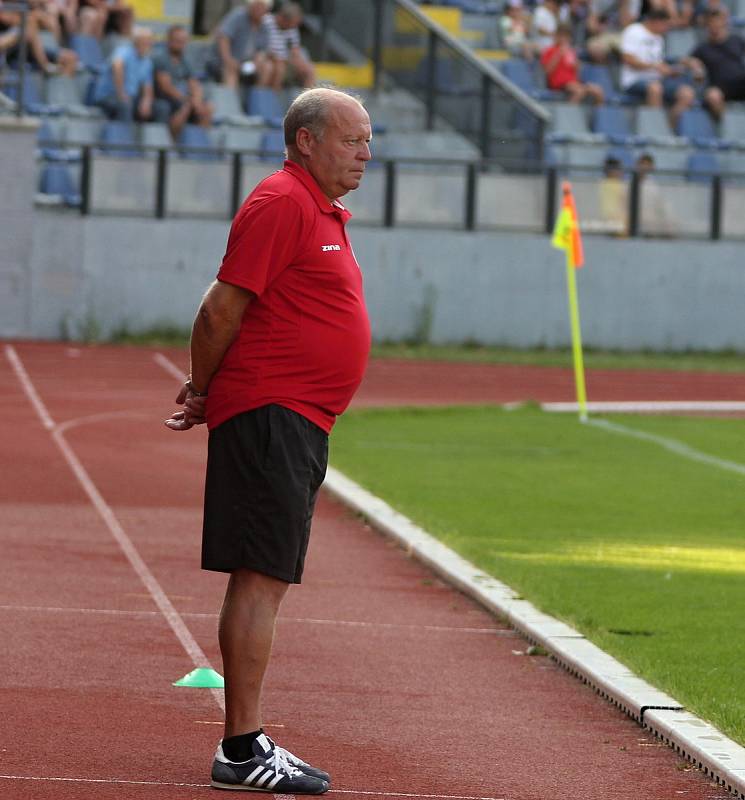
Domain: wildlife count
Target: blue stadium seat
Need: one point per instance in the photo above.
(613, 123)
(33, 102)
(601, 75)
(520, 73)
(264, 102)
(273, 146)
(50, 137)
(195, 136)
(89, 51)
(702, 166)
(56, 180)
(733, 125)
(696, 125)
(122, 134)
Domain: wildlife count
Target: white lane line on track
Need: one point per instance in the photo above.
(118, 781)
(93, 418)
(183, 634)
(507, 632)
(169, 366)
(672, 445)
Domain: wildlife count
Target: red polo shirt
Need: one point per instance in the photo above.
(304, 340)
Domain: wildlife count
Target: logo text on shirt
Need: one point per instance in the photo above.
(326, 247)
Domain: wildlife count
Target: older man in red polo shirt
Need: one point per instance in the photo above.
(278, 348)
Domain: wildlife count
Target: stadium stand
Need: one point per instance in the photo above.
(580, 138)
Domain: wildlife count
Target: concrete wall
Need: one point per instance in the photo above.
(96, 274)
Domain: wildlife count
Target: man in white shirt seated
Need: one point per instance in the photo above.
(289, 62)
(646, 75)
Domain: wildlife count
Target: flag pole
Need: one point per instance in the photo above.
(579, 367)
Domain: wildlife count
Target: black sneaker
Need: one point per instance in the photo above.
(298, 763)
(268, 771)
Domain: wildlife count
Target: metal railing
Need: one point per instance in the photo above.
(476, 192)
(457, 88)
(18, 77)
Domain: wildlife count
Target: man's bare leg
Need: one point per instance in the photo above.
(246, 633)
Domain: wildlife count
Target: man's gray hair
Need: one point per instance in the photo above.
(311, 110)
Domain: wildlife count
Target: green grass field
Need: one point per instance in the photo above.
(594, 359)
(640, 549)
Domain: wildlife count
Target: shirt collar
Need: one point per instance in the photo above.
(326, 205)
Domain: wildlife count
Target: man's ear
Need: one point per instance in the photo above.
(304, 141)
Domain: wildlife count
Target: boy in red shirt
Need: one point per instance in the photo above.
(560, 65)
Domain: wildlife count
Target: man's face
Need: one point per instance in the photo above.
(659, 26)
(143, 44)
(257, 10)
(716, 27)
(337, 160)
(287, 21)
(177, 41)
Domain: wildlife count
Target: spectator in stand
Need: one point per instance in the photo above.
(124, 90)
(614, 201)
(514, 31)
(241, 41)
(546, 19)
(560, 64)
(721, 56)
(605, 22)
(656, 218)
(178, 92)
(43, 39)
(100, 17)
(645, 75)
(289, 62)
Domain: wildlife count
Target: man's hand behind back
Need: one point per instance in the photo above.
(192, 413)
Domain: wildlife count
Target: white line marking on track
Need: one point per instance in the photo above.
(183, 634)
(119, 781)
(169, 366)
(673, 445)
(29, 388)
(508, 632)
(92, 418)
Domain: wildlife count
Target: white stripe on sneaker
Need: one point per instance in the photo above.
(273, 782)
(259, 782)
(250, 779)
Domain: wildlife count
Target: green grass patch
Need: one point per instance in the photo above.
(594, 359)
(640, 549)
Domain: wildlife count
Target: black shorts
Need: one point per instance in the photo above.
(264, 469)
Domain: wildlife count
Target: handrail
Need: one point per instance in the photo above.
(472, 172)
(479, 64)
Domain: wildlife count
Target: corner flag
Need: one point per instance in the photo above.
(567, 237)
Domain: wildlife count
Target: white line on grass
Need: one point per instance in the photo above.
(649, 406)
(183, 634)
(672, 445)
(119, 781)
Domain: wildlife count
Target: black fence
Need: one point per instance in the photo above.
(467, 196)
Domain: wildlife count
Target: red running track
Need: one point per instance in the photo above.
(394, 682)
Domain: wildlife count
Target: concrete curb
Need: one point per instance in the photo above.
(697, 741)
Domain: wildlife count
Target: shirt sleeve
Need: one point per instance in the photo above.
(263, 242)
(229, 22)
